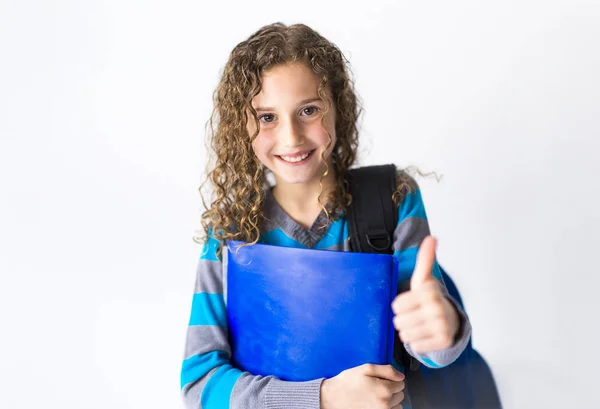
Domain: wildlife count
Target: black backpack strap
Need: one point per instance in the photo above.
(372, 218)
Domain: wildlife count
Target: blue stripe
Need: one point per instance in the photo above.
(217, 392)
(406, 263)
(412, 206)
(208, 309)
(429, 362)
(437, 273)
(407, 259)
(279, 238)
(197, 366)
(333, 236)
(209, 250)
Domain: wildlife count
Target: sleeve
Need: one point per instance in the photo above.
(410, 231)
(208, 379)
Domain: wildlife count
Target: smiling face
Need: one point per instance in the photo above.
(292, 139)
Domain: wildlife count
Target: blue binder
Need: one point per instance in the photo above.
(302, 314)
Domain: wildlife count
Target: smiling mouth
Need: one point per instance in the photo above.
(296, 158)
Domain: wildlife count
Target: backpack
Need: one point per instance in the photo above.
(467, 383)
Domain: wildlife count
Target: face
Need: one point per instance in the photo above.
(292, 140)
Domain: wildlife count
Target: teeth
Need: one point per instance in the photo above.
(295, 158)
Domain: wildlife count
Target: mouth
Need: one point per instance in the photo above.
(297, 158)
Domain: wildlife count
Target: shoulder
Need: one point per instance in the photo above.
(407, 197)
(405, 185)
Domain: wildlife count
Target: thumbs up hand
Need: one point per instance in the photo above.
(424, 316)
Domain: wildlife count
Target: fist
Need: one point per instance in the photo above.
(367, 386)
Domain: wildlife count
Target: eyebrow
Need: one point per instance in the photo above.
(305, 101)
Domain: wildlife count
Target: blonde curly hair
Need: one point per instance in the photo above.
(237, 176)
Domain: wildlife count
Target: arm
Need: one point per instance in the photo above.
(208, 380)
(410, 231)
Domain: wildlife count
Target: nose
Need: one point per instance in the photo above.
(291, 134)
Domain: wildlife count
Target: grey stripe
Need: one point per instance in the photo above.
(205, 338)
(335, 247)
(192, 392)
(269, 221)
(347, 243)
(209, 277)
(410, 233)
(249, 391)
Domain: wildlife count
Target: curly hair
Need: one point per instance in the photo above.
(237, 176)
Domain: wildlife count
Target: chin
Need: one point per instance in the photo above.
(297, 179)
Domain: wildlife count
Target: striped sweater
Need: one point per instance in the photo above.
(209, 381)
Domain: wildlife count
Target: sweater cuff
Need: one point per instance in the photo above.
(293, 395)
(463, 322)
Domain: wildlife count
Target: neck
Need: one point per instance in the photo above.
(301, 200)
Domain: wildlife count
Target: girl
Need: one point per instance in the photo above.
(285, 108)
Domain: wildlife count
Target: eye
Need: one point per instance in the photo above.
(310, 110)
(267, 118)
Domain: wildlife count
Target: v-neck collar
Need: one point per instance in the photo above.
(274, 213)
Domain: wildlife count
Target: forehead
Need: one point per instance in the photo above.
(286, 84)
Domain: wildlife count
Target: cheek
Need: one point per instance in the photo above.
(262, 146)
(329, 125)
(324, 137)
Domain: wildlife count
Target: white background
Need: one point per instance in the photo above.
(102, 112)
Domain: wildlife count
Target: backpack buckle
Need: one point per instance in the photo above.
(377, 236)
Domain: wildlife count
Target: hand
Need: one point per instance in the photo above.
(367, 386)
(424, 316)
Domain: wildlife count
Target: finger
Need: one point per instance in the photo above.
(397, 386)
(406, 302)
(396, 399)
(409, 301)
(430, 312)
(409, 319)
(416, 334)
(383, 371)
(423, 271)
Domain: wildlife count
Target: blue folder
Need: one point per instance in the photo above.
(302, 314)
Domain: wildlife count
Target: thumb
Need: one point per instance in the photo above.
(383, 372)
(424, 266)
